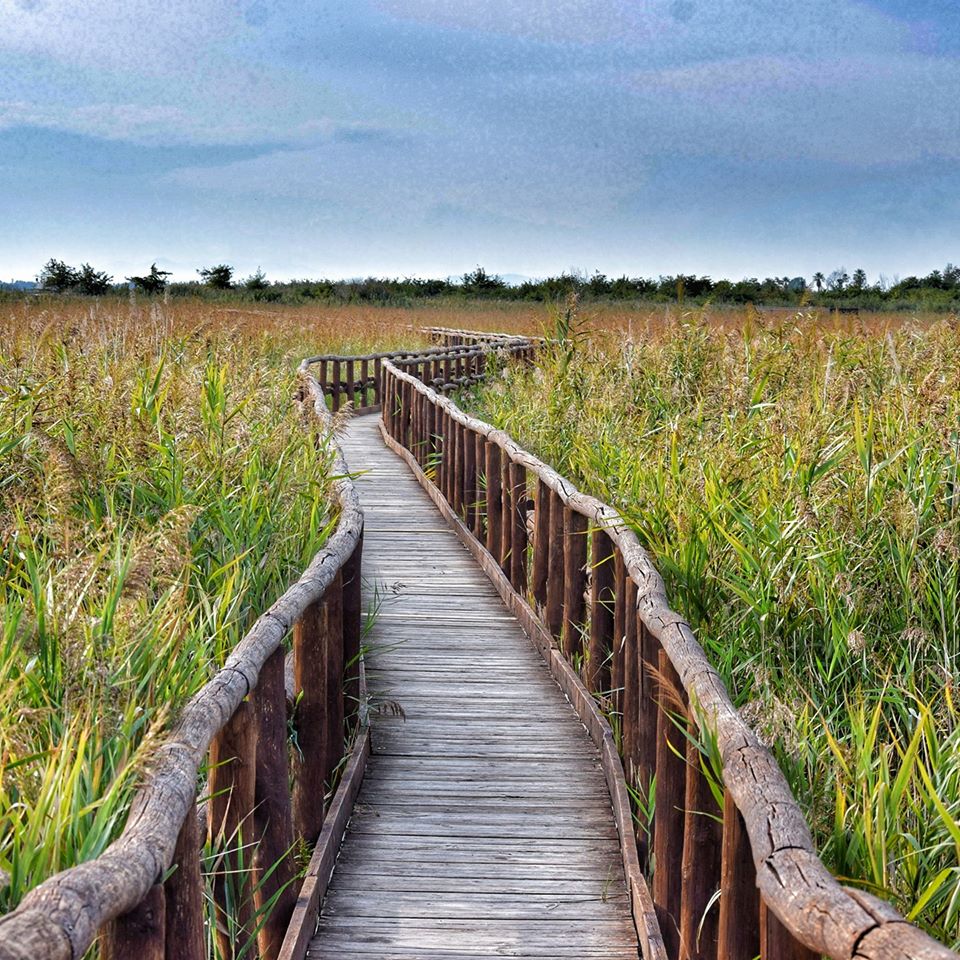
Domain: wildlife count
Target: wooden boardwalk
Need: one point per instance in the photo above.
(483, 827)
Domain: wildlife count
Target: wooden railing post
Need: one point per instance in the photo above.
(776, 941)
(619, 635)
(480, 458)
(456, 481)
(139, 934)
(352, 631)
(541, 538)
(273, 859)
(351, 384)
(185, 938)
(555, 563)
(575, 581)
(668, 818)
(309, 671)
(631, 680)
(597, 673)
(702, 846)
(518, 536)
(470, 492)
(232, 790)
(739, 928)
(494, 500)
(506, 514)
(336, 385)
(365, 387)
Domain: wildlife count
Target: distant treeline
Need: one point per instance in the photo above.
(938, 290)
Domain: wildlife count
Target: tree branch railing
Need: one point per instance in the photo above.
(356, 379)
(580, 573)
(143, 897)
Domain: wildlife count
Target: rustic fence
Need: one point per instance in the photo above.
(572, 570)
(144, 896)
(458, 358)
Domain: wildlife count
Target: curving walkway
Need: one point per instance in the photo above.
(483, 827)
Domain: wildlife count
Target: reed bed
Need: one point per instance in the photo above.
(796, 478)
(157, 492)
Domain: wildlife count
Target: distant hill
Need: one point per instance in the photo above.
(18, 285)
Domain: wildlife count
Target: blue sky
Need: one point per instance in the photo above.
(398, 137)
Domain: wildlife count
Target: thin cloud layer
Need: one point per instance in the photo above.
(651, 137)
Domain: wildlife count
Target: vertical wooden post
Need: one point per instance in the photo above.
(648, 663)
(351, 384)
(574, 581)
(364, 386)
(555, 561)
(459, 436)
(702, 845)
(518, 537)
(379, 393)
(310, 662)
(334, 630)
(506, 516)
(776, 941)
(597, 674)
(273, 859)
(739, 929)
(494, 500)
(631, 681)
(336, 386)
(139, 934)
(323, 378)
(470, 495)
(480, 458)
(669, 813)
(541, 537)
(232, 791)
(619, 636)
(185, 938)
(352, 631)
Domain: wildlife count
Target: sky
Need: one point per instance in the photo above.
(425, 137)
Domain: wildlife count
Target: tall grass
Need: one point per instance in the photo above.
(798, 485)
(157, 492)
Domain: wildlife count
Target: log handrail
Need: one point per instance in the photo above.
(663, 680)
(239, 720)
(357, 377)
(60, 918)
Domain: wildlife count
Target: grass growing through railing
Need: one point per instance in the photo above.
(798, 485)
(158, 490)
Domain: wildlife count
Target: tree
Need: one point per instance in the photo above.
(479, 281)
(153, 282)
(256, 281)
(859, 279)
(92, 282)
(838, 280)
(219, 277)
(57, 276)
(819, 279)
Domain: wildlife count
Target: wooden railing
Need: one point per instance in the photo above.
(571, 568)
(144, 896)
(459, 354)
